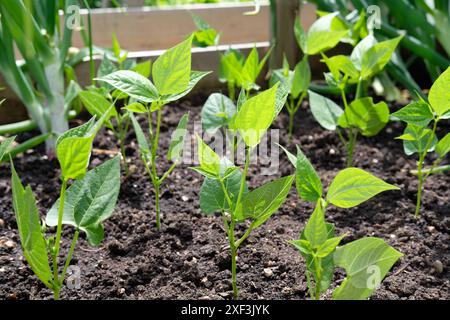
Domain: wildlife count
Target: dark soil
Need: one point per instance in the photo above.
(188, 258)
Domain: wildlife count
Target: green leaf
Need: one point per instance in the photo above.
(143, 68)
(322, 36)
(256, 115)
(364, 114)
(205, 38)
(106, 67)
(5, 146)
(73, 147)
(341, 64)
(136, 107)
(353, 186)
(90, 201)
(316, 231)
(328, 247)
(303, 246)
(209, 160)
(217, 112)
(302, 78)
(417, 113)
(133, 84)
(250, 71)
(29, 225)
(361, 50)
(377, 57)
(300, 35)
(212, 196)
(264, 201)
(439, 95)
(309, 185)
(442, 148)
(144, 147)
(325, 111)
(418, 138)
(171, 71)
(366, 262)
(177, 141)
(96, 105)
(196, 76)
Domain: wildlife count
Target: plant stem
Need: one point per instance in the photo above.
(351, 147)
(433, 170)
(69, 255)
(319, 277)
(122, 151)
(156, 183)
(233, 268)
(58, 239)
(231, 91)
(351, 138)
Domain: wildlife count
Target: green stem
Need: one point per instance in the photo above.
(124, 157)
(245, 236)
(58, 239)
(69, 255)
(90, 45)
(420, 167)
(433, 170)
(319, 277)
(351, 147)
(155, 174)
(233, 268)
(167, 173)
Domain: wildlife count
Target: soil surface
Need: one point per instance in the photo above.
(189, 258)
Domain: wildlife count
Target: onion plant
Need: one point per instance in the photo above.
(367, 260)
(419, 139)
(172, 79)
(34, 28)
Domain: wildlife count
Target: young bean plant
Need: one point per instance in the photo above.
(238, 71)
(97, 99)
(84, 205)
(419, 139)
(367, 260)
(172, 80)
(362, 116)
(225, 190)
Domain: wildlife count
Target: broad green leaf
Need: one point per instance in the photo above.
(443, 146)
(133, 84)
(5, 146)
(256, 115)
(205, 38)
(251, 68)
(328, 247)
(291, 157)
(421, 138)
(143, 68)
(322, 36)
(231, 64)
(29, 225)
(217, 112)
(361, 49)
(309, 185)
(96, 105)
(301, 79)
(209, 160)
(341, 64)
(302, 245)
(261, 203)
(171, 71)
(136, 107)
(366, 262)
(364, 114)
(90, 201)
(325, 111)
(177, 141)
(439, 95)
(212, 196)
(377, 57)
(353, 186)
(73, 147)
(316, 231)
(106, 67)
(280, 98)
(144, 147)
(196, 76)
(417, 113)
(300, 35)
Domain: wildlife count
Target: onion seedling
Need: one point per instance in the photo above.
(225, 190)
(84, 205)
(419, 139)
(172, 80)
(362, 116)
(367, 260)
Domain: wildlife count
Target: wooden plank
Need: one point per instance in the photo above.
(140, 29)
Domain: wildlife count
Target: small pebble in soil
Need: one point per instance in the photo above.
(2, 223)
(184, 198)
(431, 229)
(7, 244)
(268, 273)
(438, 266)
(332, 152)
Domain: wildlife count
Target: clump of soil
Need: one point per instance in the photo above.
(189, 259)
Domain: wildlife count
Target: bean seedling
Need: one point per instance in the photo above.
(419, 138)
(224, 188)
(367, 260)
(362, 116)
(84, 205)
(173, 79)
